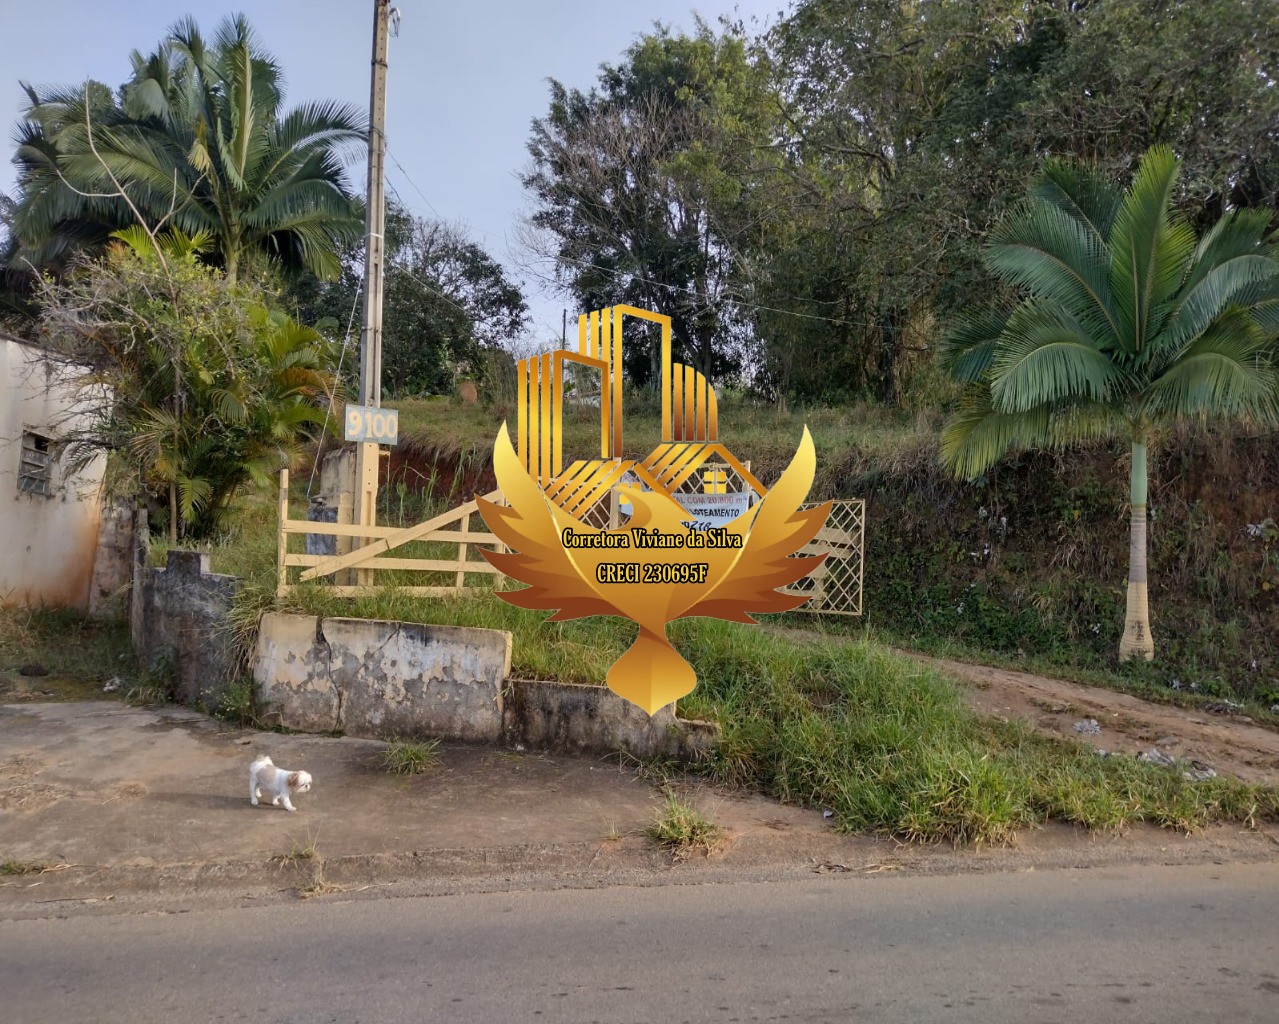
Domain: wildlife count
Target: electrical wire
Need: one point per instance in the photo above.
(337, 380)
(615, 274)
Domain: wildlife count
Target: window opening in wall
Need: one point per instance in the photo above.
(35, 474)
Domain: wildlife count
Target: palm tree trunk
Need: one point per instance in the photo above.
(1137, 639)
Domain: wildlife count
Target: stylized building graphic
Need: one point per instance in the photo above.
(690, 426)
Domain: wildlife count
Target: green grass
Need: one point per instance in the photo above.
(889, 745)
(78, 654)
(826, 720)
(410, 757)
(444, 428)
(679, 827)
(23, 867)
(238, 704)
(247, 547)
(1147, 680)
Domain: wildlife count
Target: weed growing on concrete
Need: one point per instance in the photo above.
(410, 757)
(681, 828)
(319, 888)
(238, 704)
(300, 851)
(24, 867)
(147, 695)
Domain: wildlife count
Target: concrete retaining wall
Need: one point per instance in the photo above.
(571, 718)
(179, 622)
(379, 679)
(363, 677)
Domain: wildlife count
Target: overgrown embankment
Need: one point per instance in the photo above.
(1027, 564)
(1031, 561)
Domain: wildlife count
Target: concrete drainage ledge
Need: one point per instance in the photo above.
(377, 679)
(572, 718)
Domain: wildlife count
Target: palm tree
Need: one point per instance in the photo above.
(1126, 322)
(196, 140)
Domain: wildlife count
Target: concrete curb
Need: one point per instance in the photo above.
(631, 861)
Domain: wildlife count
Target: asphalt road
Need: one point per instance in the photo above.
(1124, 944)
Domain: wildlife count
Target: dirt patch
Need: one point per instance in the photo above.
(128, 791)
(1128, 724)
(19, 790)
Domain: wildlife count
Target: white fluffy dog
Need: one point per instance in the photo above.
(265, 779)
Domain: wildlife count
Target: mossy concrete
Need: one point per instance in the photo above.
(367, 677)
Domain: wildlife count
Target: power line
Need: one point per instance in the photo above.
(337, 380)
(422, 280)
(684, 289)
(615, 274)
(400, 168)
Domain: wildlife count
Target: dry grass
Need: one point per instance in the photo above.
(848, 439)
(682, 829)
(77, 654)
(29, 867)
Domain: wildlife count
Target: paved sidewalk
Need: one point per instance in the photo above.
(148, 800)
(106, 785)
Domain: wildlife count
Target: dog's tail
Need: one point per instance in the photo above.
(261, 762)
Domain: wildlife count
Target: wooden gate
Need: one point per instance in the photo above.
(461, 537)
(835, 588)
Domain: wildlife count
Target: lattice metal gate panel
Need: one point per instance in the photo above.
(835, 588)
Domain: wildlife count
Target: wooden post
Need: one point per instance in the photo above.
(461, 551)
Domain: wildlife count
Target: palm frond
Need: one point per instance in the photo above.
(1141, 223)
(1056, 258)
(1046, 358)
(1228, 371)
(978, 435)
(1081, 191)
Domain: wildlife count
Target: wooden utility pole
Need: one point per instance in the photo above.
(368, 453)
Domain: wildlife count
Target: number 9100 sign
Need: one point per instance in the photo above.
(364, 423)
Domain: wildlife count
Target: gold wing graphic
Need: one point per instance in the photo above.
(530, 525)
(652, 585)
(774, 531)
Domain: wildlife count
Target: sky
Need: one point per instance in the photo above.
(464, 82)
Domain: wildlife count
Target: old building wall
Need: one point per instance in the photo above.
(49, 515)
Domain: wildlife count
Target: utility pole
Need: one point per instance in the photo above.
(367, 452)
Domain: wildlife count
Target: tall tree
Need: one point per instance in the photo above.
(445, 302)
(1125, 321)
(636, 185)
(909, 128)
(197, 139)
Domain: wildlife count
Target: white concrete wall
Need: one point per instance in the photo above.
(47, 544)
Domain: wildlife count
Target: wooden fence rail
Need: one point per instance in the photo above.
(451, 527)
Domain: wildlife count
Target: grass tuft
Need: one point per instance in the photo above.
(410, 757)
(679, 827)
(25, 867)
(299, 851)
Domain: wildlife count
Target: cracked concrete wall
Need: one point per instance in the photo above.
(179, 620)
(370, 678)
(381, 679)
(572, 718)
